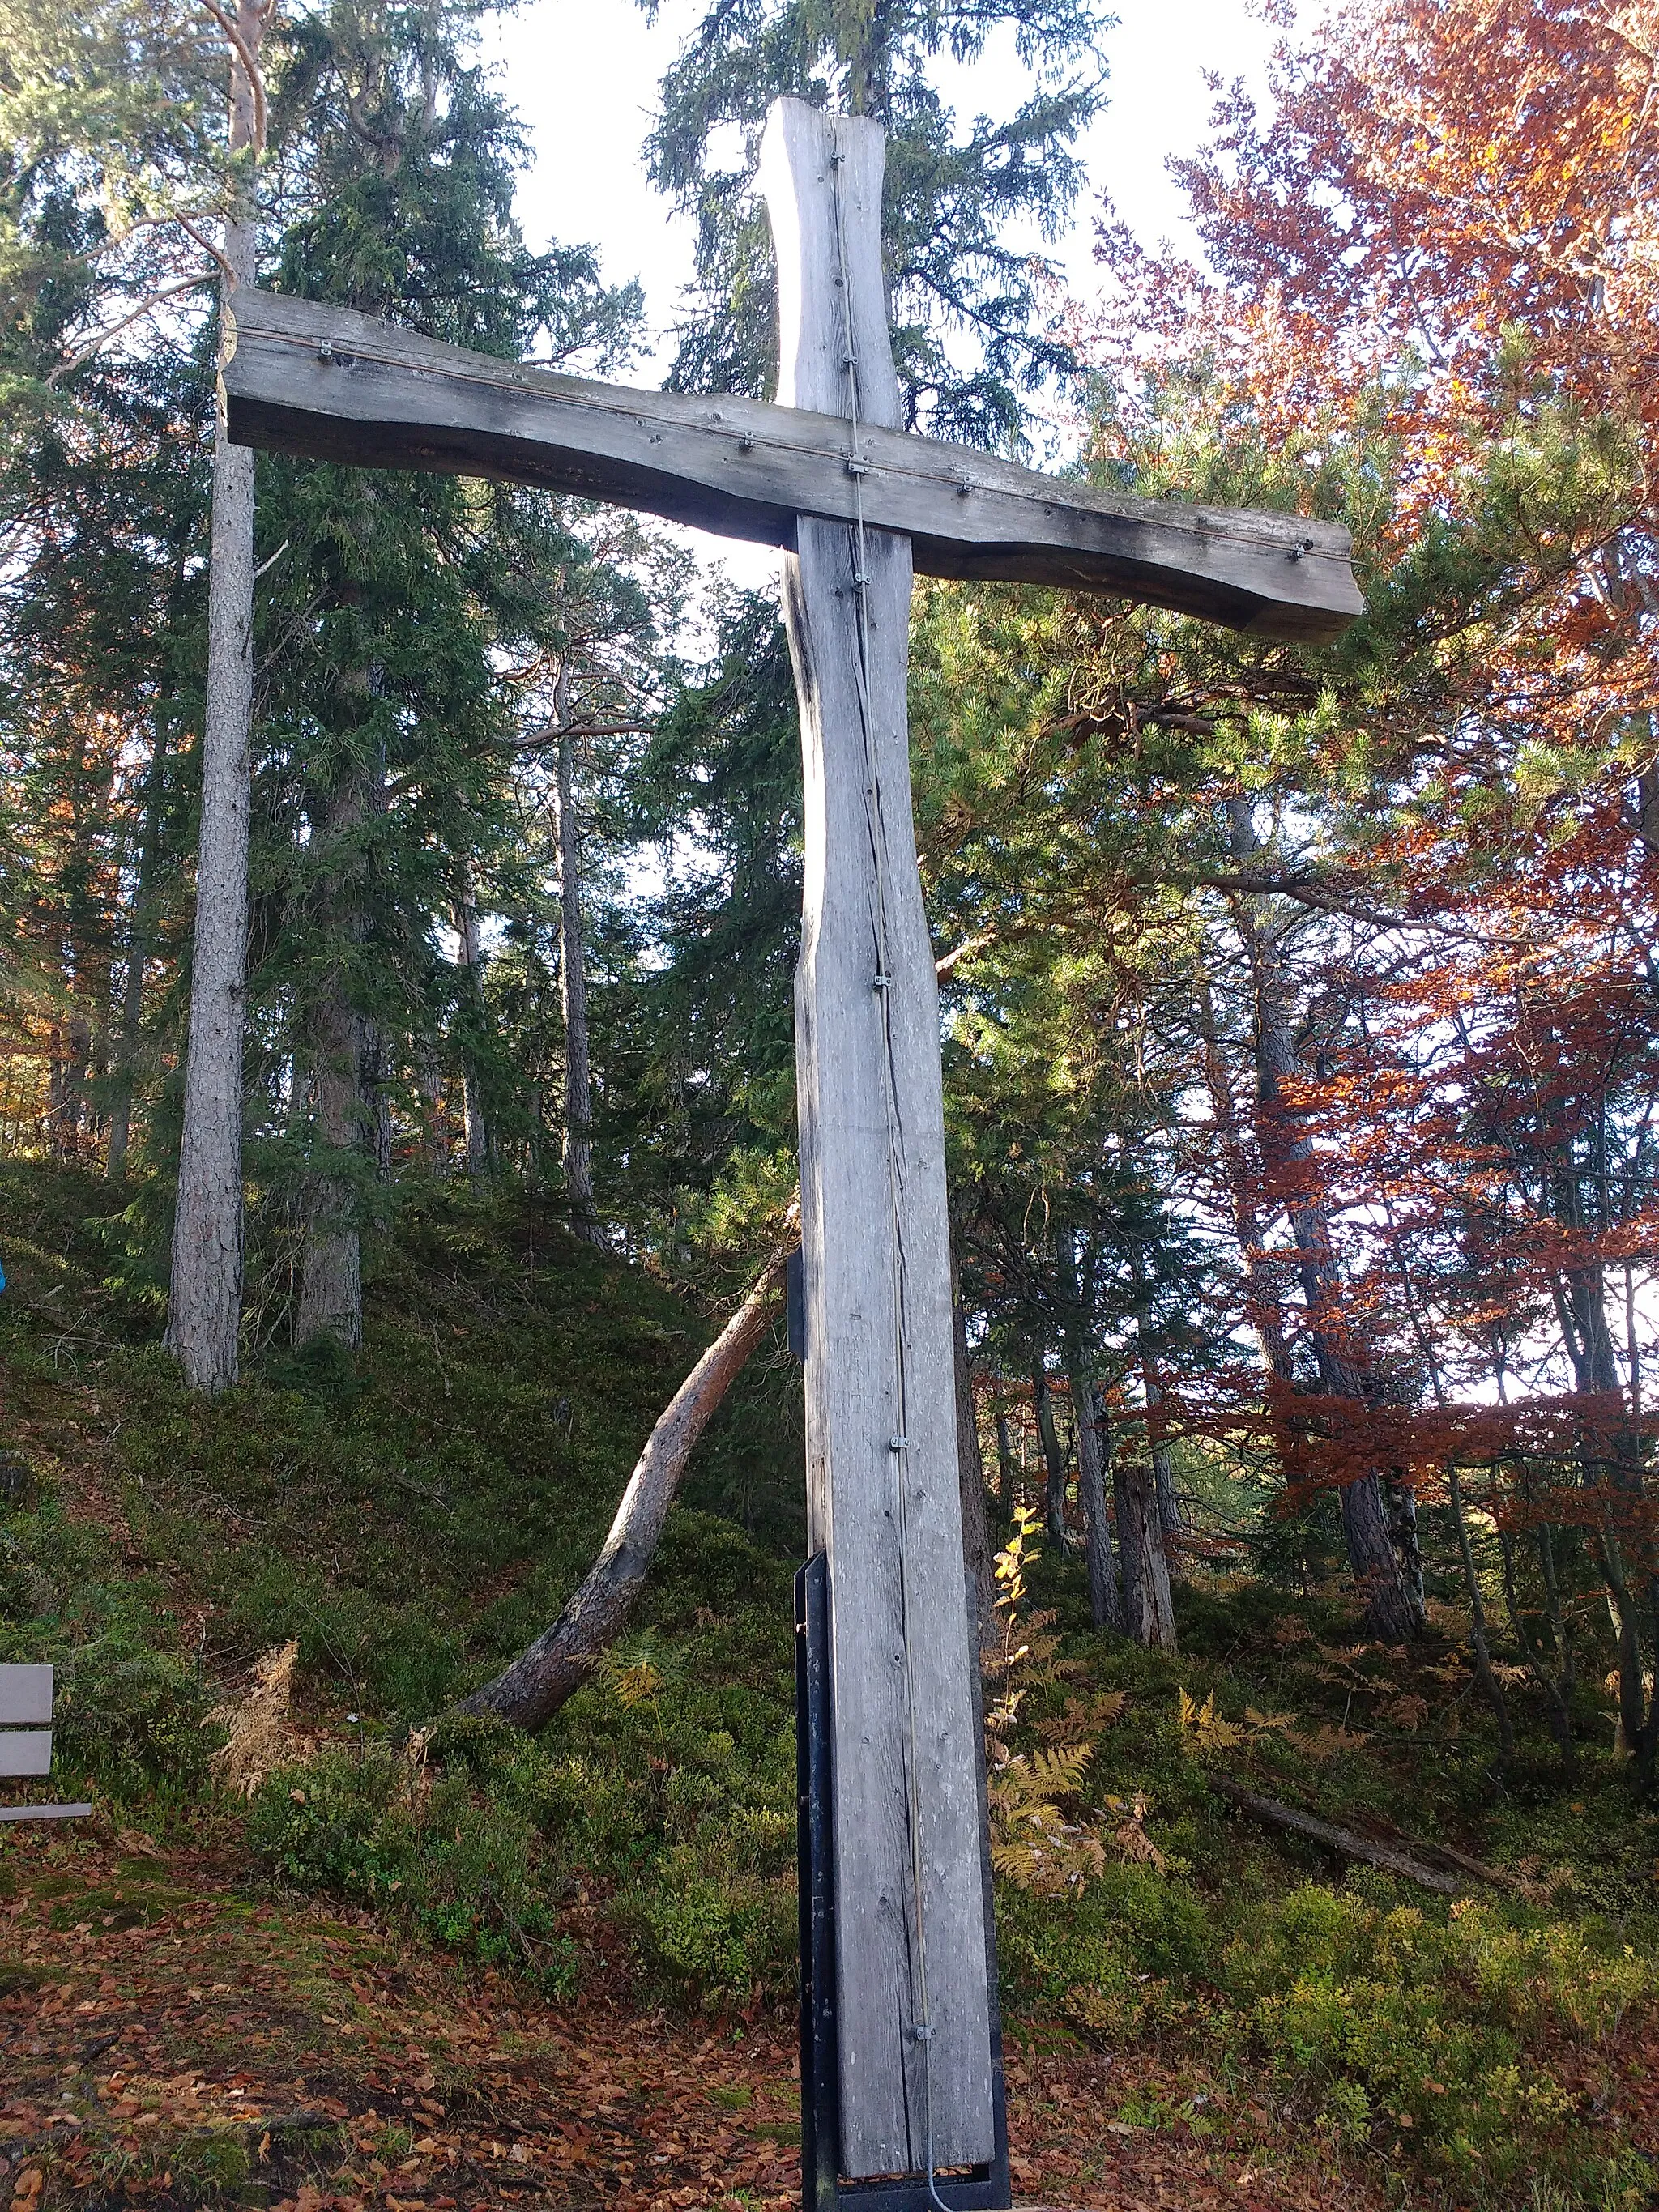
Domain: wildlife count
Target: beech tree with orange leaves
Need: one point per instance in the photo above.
(1401, 893)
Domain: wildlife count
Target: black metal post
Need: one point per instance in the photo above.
(982, 2188)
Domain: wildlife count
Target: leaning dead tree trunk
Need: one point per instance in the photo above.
(533, 1689)
(205, 1301)
(1400, 1857)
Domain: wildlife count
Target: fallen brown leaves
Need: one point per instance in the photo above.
(172, 2036)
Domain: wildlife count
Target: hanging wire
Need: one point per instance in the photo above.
(899, 1442)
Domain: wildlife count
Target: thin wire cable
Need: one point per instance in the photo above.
(922, 2028)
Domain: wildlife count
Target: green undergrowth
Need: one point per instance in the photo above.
(412, 1516)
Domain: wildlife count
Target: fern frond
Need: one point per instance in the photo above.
(1061, 1769)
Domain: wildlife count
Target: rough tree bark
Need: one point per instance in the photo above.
(1148, 1608)
(204, 1305)
(1105, 1590)
(554, 1667)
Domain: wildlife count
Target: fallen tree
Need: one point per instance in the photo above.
(1435, 1866)
(554, 1667)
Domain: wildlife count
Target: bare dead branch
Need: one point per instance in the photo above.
(151, 300)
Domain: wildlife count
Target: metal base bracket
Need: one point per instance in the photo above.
(823, 2189)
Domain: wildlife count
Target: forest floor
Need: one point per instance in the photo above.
(561, 1971)
(174, 2035)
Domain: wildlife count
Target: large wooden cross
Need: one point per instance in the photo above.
(856, 503)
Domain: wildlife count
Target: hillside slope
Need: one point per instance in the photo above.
(464, 1967)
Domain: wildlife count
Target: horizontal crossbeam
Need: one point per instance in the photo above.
(323, 381)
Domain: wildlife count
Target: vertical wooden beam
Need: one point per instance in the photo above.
(881, 1438)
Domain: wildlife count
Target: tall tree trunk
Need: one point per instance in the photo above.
(69, 1088)
(1262, 1306)
(578, 1148)
(1105, 1593)
(1390, 1613)
(437, 1117)
(204, 1305)
(476, 1132)
(1479, 1644)
(532, 1690)
(1169, 1518)
(1632, 1577)
(1053, 1488)
(1005, 1462)
(1148, 1605)
(331, 1301)
(377, 1084)
(130, 1032)
(1152, 1382)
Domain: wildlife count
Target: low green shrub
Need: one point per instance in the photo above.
(338, 1822)
(1434, 2022)
(130, 1712)
(1110, 1960)
(718, 1939)
(466, 1869)
(133, 1718)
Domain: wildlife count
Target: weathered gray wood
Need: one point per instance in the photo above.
(306, 379)
(24, 1697)
(206, 1294)
(875, 1241)
(25, 1750)
(44, 1812)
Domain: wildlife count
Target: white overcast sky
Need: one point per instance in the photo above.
(583, 75)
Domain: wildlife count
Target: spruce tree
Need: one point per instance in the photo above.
(969, 338)
(389, 730)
